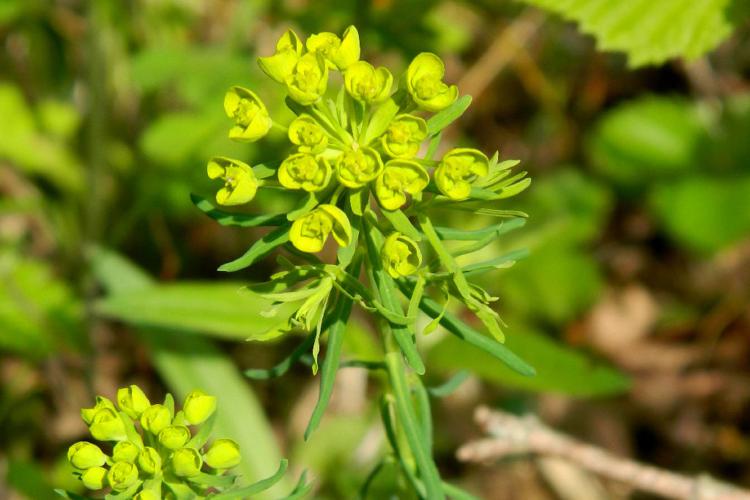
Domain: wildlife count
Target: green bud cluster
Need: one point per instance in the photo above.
(156, 451)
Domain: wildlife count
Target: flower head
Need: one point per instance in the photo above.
(249, 113)
(132, 401)
(458, 169)
(399, 178)
(308, 135)
(223, 454)
(355, 168)
(84, 455)
(304, 171)
(338, 52)
(198, 407)
(368, 84)
(424, 80)
(310, 232)
(401, 255)
(308, 80)
(404, 136)
(240, 184)
(281, 64)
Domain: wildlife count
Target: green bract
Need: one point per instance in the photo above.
(355, 168)
(310, 232)
(362, 156)
(424, 79)
(249, 113)
(404, 136)
(338, 52)
(240, 184)
(368, 84)
(304, 171)
(308, 80)
(308, 135)
(135, 470)
(458, 169)
(401, 255)
(399, 178)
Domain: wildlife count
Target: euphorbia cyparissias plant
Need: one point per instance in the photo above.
(362, 164)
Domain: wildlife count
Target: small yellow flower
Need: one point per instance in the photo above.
(424, 80)
(107, 426)
(404, 136)
(122, 476)
(240, 183)
(399, 178)
(125, 451)
(307, 135)
(310, 232)
(87, 414)
(155, 418)
(368, 84)
(281, 64)
(308, 81)
(198, 407)
(223, 454)
(355, 168)
(174, 437)
(304, 171)
(458, 169)
(401, 255)
(249, 113)
(186, 462)
(132, 401)
(149, 461)
(338, 52)
(84, 455)
(93, 478)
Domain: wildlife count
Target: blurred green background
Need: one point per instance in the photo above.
(633, 303)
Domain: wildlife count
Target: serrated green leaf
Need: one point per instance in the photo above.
(649, 32)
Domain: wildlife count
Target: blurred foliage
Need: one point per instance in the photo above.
(110, 108)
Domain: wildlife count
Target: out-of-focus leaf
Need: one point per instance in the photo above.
(559, 368)
(216, 309)
(704, 214)
(28, 479)
(653, 137)
(187, 362)
(38, 312)
(649, 32)
(173, 138)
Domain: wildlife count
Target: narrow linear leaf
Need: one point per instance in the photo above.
(255, 488)
(447, 116)
(284, 366)
(506, 226)
(260, 249)
(450, 385)
(240, 220)
(402, 224)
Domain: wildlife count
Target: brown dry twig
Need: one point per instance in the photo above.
(513, 435)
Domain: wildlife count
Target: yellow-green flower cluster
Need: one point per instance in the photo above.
(153, 447)
(366, 141)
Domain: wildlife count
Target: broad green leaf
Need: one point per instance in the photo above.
(646, 139)
(559, 368)
(216, 309)
(649, 32)
(704, 214)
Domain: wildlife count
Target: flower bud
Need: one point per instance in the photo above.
(93, 478)
(223, 454)
(122, 476)
(125, 451)
(132, 401)
(155, 418)
(424, 83)
(174, 436)
(107, 426)
(240, 183)
(84, 455)
(149, 461)
(310, 232)
(186, 462)
(198, 407)
(401, 255)
(101, 402)
(368, 84)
